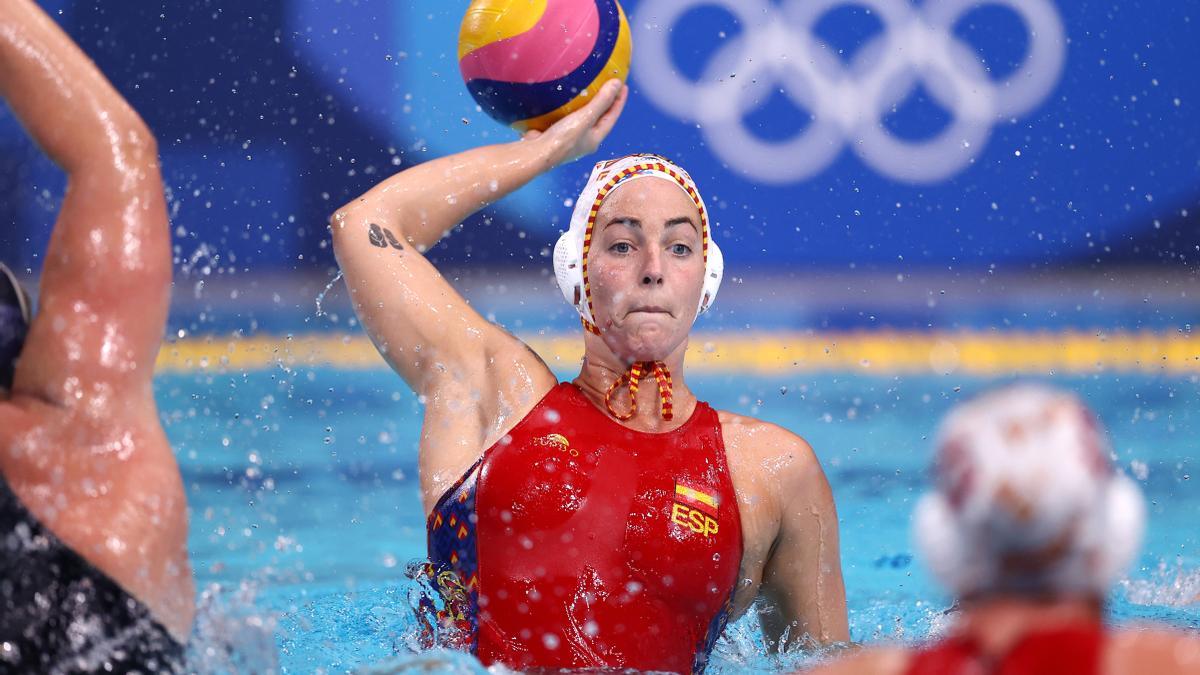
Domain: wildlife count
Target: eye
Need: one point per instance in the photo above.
(681, 249)
(621, 247)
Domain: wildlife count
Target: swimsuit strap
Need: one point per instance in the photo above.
(633, 378)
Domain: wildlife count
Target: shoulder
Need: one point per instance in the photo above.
(1153, 649)
(749, 432)
(774, 468)
(874, 661)
(769, 449)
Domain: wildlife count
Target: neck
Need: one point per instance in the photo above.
(601, 368)
(997, 623)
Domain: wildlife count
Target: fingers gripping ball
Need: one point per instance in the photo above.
(529, 63)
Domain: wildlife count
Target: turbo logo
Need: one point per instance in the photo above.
(778, 50)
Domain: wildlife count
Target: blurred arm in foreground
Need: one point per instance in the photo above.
(82, 452)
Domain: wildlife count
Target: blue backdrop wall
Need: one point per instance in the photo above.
(943, 133)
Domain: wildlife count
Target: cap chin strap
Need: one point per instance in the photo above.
(588, 325)
(633, 378)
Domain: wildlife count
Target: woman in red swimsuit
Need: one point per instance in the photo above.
(611, 521)
(1029, 525)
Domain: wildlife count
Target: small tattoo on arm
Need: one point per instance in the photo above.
(391, 238)
(382, 237)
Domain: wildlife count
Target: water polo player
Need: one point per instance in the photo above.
(1030, 525)
(611, 521)
(94, 573)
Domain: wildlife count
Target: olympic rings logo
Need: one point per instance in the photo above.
(778, 50)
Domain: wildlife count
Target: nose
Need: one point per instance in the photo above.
(652, 273)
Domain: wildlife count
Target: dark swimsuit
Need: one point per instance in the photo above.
(576, 542)
(59, 614)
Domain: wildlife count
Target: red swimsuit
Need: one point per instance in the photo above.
(1070, 650)
(576, 542)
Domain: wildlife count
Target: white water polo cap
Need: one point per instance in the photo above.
(571, 251)
(1026, 500)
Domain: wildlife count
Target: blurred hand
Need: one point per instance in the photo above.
(581, 132)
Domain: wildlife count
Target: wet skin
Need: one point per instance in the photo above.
(478, 382)
(80, 440)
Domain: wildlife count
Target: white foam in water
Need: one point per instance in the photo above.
(742, 648)
(231, 634)
(1174, 586)
(435, 661)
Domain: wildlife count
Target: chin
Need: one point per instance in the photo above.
(645, 343)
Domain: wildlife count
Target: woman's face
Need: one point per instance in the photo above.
(646, 268)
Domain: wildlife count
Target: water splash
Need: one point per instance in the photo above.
(321, 296)
(437, 602)
(1169, 586)
(434, 661)
(419, 640)
(201, 262)
(232, 634)
(742, 648)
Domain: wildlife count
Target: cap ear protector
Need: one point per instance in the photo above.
(15, 315)
(571, 251)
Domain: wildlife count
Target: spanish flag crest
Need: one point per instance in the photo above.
(696, 499)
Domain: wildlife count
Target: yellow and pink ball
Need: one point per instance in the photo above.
(529, 63)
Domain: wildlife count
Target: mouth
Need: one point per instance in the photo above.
(649, 309)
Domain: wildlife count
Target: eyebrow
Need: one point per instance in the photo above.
(634, 222)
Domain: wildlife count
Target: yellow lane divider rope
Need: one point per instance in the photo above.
(879, 353)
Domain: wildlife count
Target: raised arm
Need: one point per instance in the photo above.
(82, 445)
(803, 576)
(421, 325)
(105, 284)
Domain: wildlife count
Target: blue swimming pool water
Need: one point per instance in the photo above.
(305, 507)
